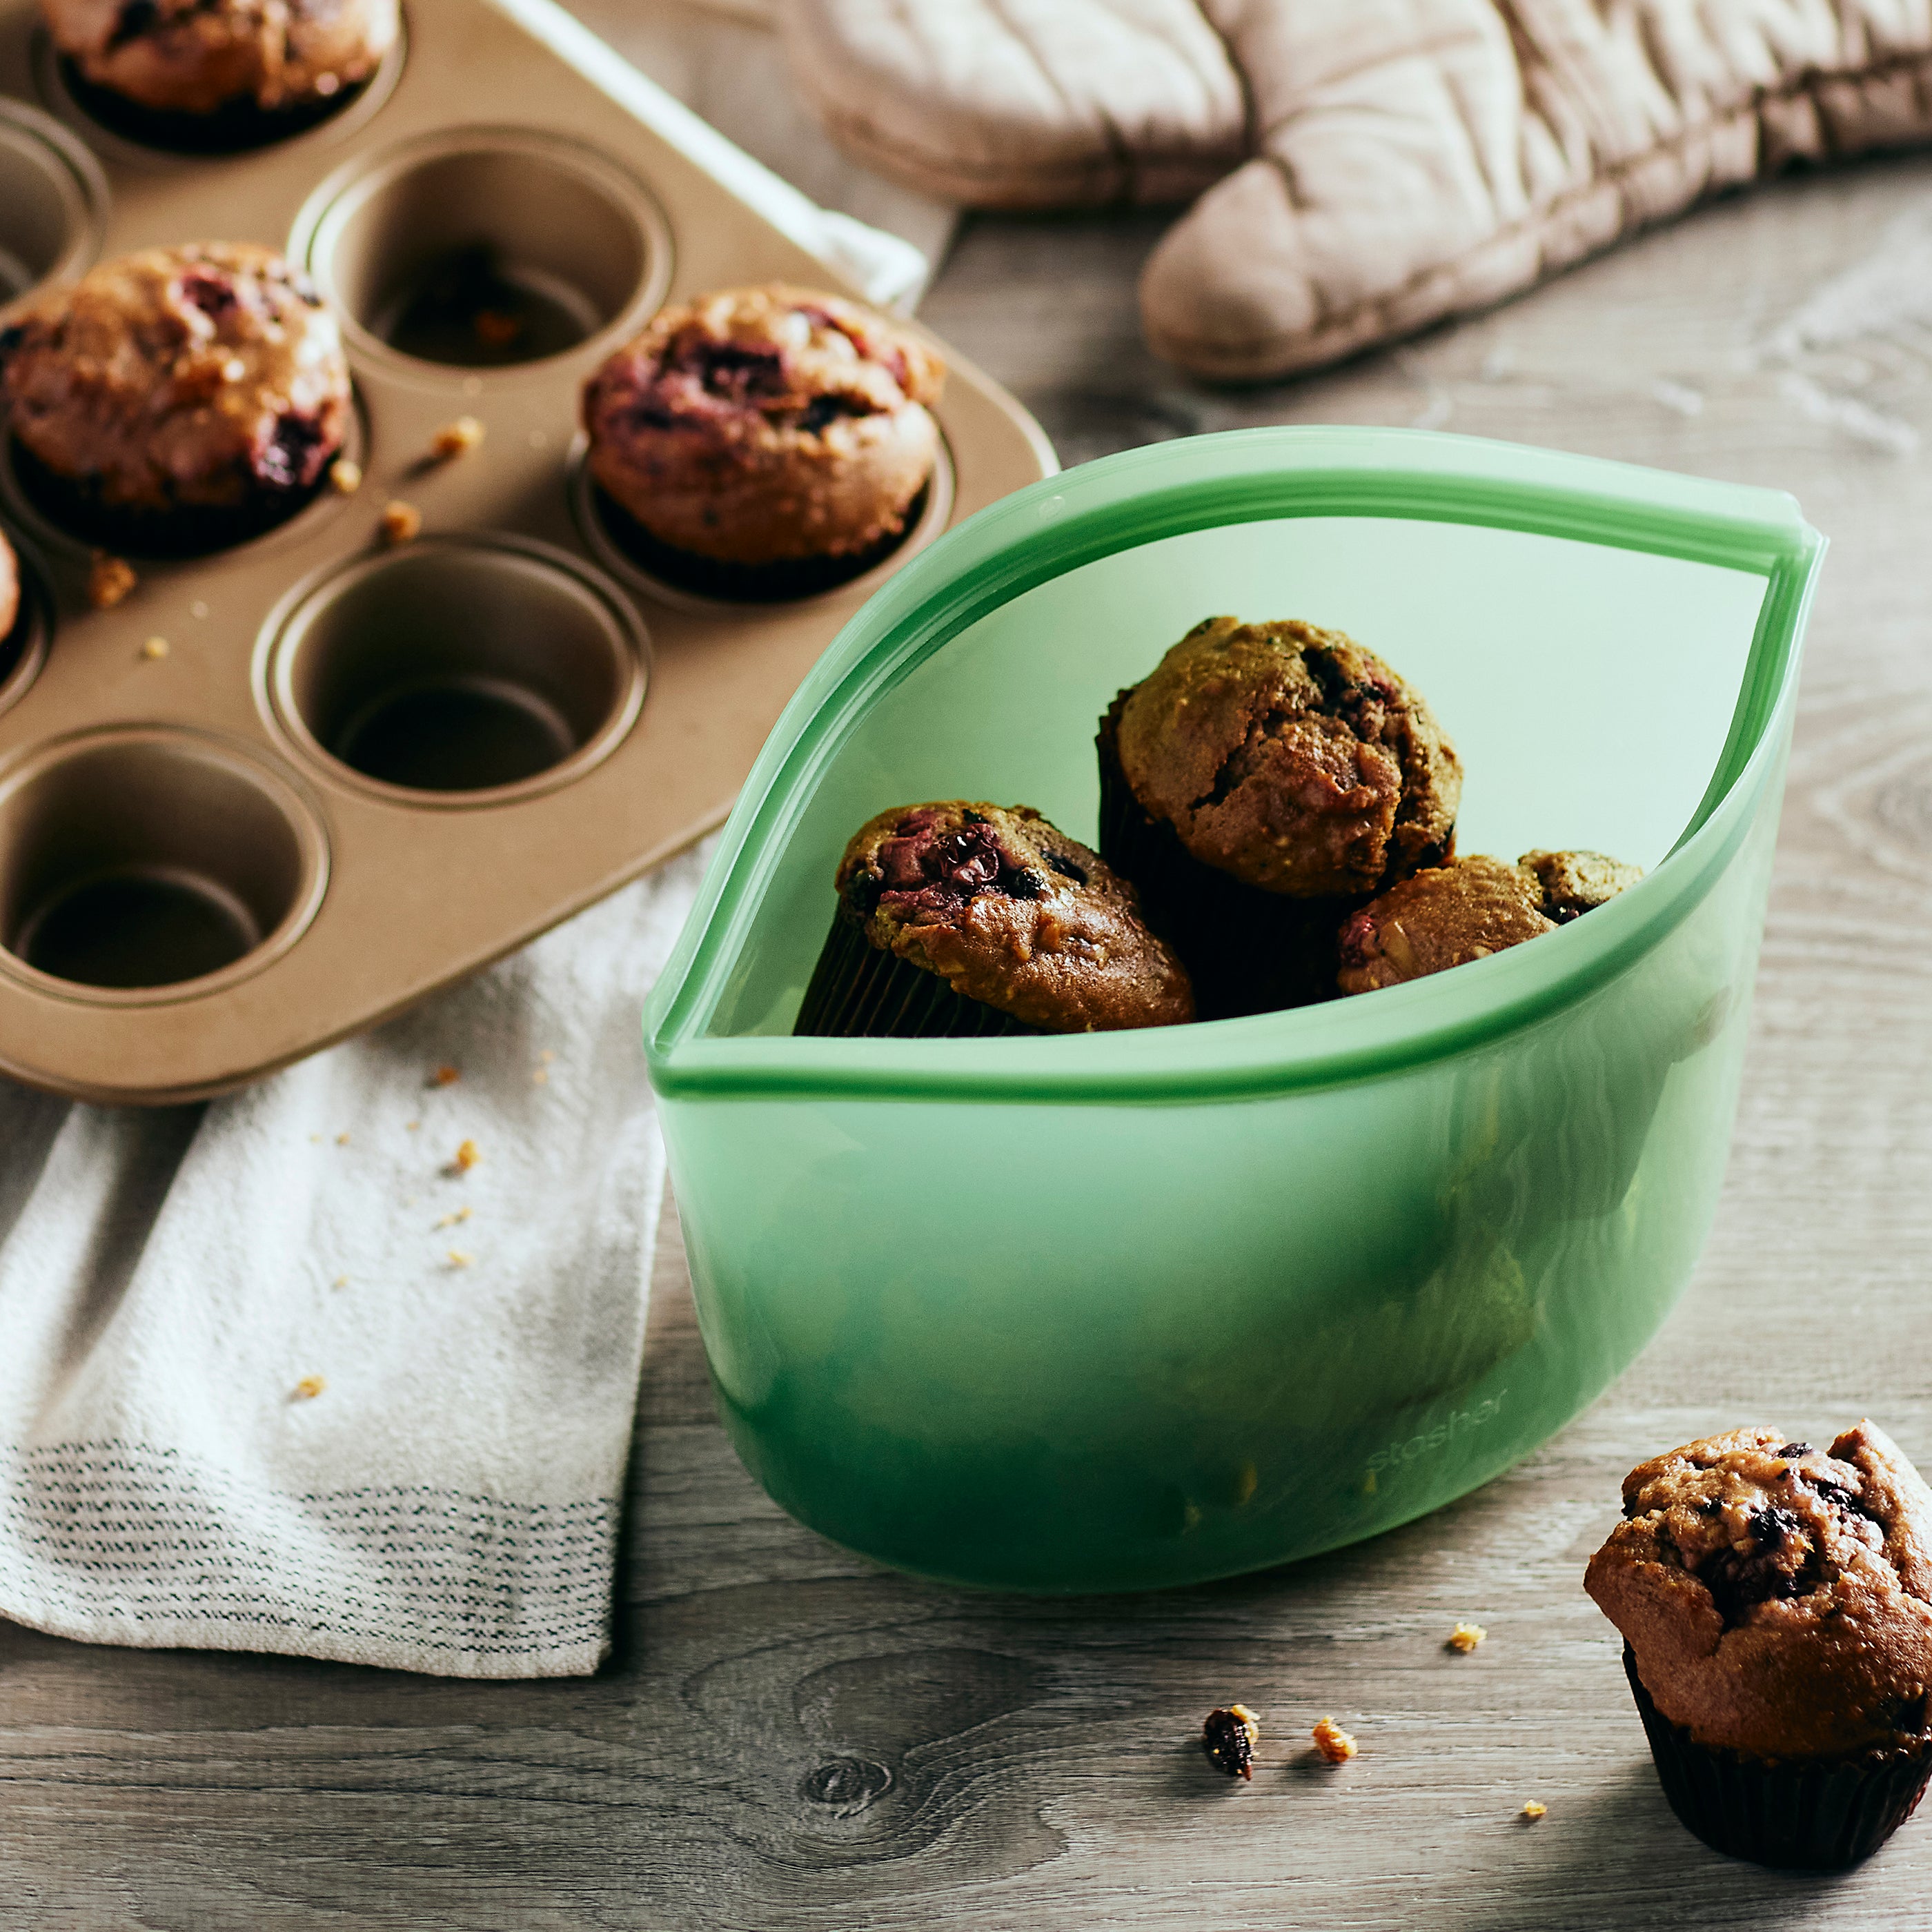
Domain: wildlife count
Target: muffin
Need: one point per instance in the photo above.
(1775, 1602)
(1468, 909)
(177, 399)
(959, 919)
(279, 64)
(1263, 781)
(10, 598)
(763, 441)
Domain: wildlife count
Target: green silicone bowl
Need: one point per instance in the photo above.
(1120, 1310)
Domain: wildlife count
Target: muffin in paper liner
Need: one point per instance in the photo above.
(1247, 950)
(963, 919)
(1775, 1602)
(1808, 1815)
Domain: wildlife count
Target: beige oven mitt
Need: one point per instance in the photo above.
(1376, 164)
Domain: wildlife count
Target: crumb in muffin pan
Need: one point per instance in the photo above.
(401, 523)
(456, 438)
(1228, 1737)
(110, 579)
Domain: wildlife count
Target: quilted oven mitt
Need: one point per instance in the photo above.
(1369, 166)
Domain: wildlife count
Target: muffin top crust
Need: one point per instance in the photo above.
(1777, 1598)
(1290, 758)
(10, 587)
(1010, 911)
(199, 375)
(1450, 915)
(763, 424)
(1575, 883)
(195, 56)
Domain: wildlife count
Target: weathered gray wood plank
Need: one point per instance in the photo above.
(790, 1738)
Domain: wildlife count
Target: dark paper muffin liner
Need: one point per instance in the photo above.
(191, 530)
(236, 127)
(1246, 951)
(859, 991)
(1815, 1815)
(780, 582)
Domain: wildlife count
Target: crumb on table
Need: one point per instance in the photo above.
(308, 1388)
(1333, 1742)
(456, 438)
(154, 648)
(467, 1157)
(458, 1259)
(1228, 1737)
(109, 580)
(345, 478)
(1533, 1810)
(1465, 1637)
(401, 523)
(445, 1076)
(455, 1219)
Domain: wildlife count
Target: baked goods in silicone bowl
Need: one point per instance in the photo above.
(1249, 1289)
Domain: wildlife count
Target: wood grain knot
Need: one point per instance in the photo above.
(846, 1784)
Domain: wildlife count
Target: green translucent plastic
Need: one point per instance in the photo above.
(1120, 1310)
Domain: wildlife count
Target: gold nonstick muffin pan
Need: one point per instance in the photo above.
(278, 793)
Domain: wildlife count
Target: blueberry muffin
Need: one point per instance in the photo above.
(960, 919)
(765, 436)
(208, 58)
(1450, 915)
(1261, 782)
(1775, 1602)
(178, 398)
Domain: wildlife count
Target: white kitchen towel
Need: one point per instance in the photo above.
(345, 1365)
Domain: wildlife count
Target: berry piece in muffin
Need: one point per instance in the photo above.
(180, 398)
(763, 428)
(1775, 1602)
(1450, 915)
(202, 57)
(957, 918)
(9, 593)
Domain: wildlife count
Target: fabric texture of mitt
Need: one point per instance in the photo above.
(1375, 165)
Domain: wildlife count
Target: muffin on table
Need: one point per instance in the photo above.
(1258, 785)
(1450, 915)
(176, 399)
(765, 441)
(957, 918)
(1775, 1602)
(202, 57)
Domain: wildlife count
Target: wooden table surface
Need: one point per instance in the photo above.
(789, 1737)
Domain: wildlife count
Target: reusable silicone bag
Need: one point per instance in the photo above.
(1118, 1310)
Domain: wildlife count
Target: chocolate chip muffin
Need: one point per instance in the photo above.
(1257, 786)
(956, 918)
(1775, 1602)
(209, 58)
(1450, 915)
(763, 441)
(177, 399)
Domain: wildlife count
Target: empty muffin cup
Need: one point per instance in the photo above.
(52, 201)
(137, 860)
(459, 669)
(485, 248)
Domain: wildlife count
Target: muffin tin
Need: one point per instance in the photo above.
(281, 791)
